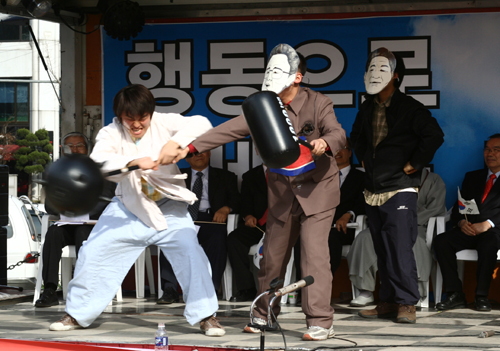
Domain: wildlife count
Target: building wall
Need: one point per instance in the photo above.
(15, 58)
(22, 60)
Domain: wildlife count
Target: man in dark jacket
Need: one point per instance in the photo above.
(352, 184)
(480, 232)
(60, 236)
(395, 137)
(253, 214)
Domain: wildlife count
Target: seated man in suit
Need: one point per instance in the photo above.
(352, 203)
(218, 196)
(480, 232)
(253, 214)
(362, 259)
(60, 236)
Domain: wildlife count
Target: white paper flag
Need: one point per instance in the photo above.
(467, 206)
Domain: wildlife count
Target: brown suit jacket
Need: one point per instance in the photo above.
(316, 190)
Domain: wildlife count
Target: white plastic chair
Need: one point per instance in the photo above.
(359, 225)
(68, 259)
(140, 283)
(434, 226)
(227, 278)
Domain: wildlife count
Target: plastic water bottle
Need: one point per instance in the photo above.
(161, 338)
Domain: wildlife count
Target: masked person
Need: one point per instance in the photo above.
(395, 137)
(301, 206)
(150, 208)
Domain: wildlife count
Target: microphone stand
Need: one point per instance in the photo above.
(269, 326)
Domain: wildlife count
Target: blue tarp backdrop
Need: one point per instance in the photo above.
(209, 68)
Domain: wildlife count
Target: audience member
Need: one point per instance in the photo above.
(218, 196)
(150, 209)
(59, 236)
(395, 137)
(253, 213)
(352, 203)
(362, 259)
(480, 232)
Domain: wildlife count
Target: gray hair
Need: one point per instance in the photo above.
(88, 144)
(384, 53)
(291, 54)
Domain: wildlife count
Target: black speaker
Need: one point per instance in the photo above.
(3, 256)
(4, 220)
(4, 195)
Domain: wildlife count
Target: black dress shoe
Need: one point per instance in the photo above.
(245, 295)
(48, 298)
(482, 304)
(169, 296)
(455, 300)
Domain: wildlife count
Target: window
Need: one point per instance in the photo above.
(14, 33)
(14, 103)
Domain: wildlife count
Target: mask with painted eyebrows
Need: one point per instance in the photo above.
(278, 76)
(378, 75)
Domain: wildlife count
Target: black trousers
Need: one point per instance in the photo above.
(335, 242)
(446, 246)
(213, 238)
(238, 244)
(394, 230)
(56, 239)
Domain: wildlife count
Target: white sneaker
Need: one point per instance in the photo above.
(315, 333)
(362, 301)
(249, 329)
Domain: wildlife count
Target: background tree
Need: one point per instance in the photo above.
(34, 152)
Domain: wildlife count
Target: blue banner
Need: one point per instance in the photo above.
(209, 69)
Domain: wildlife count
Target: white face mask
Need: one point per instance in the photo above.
(379, 74)
(278, 77)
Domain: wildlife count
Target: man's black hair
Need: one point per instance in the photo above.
(494, 136)
(302, 64)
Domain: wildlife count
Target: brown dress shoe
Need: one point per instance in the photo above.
(211, 327)
(383, 310)
(65, 323)
(407, 314)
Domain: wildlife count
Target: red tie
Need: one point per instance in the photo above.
(488, 186)
(263, 219)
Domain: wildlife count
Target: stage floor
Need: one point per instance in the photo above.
(134, 321)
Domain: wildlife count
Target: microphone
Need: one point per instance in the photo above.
(487, 334)
(295, 286)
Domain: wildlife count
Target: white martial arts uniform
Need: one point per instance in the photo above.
(132, 221)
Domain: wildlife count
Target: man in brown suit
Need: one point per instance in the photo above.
(300, 206)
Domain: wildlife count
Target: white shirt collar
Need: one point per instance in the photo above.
(490, 173)
(205, 173)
